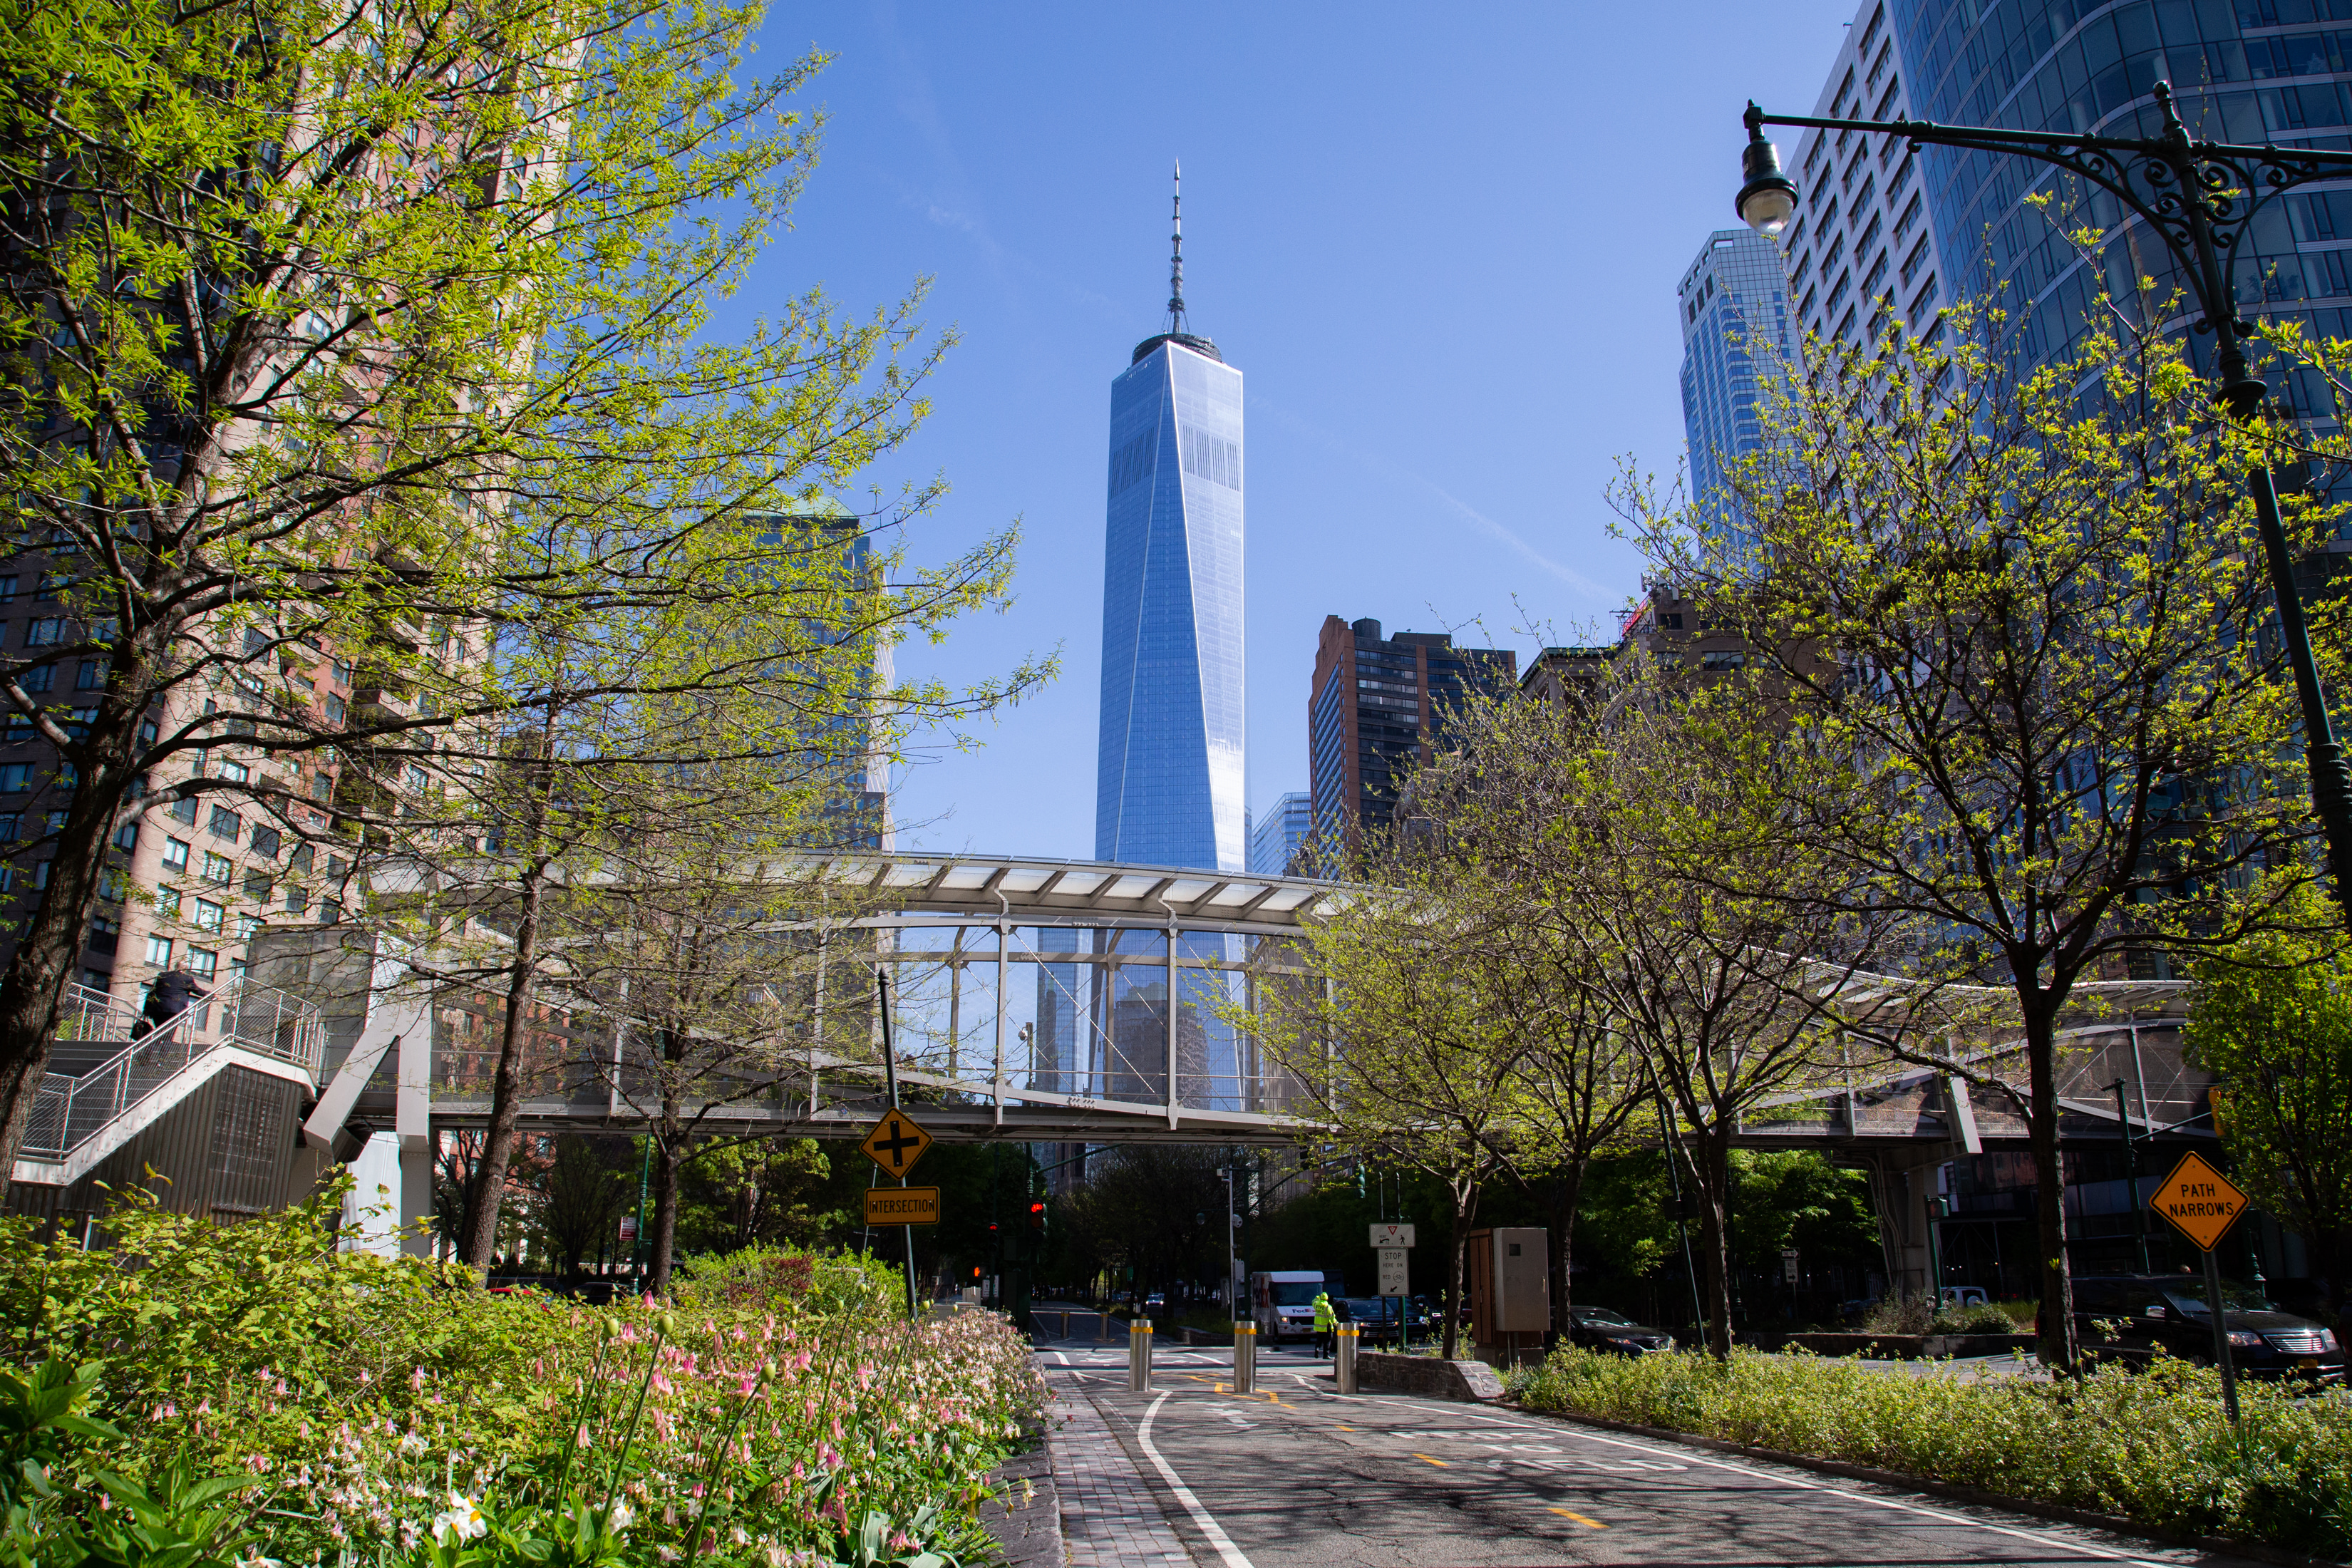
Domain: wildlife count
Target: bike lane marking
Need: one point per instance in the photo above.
(1227, 1552)
(1941, 1516)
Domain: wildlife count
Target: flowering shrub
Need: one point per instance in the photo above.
(2152, 1445)
(379, 1409)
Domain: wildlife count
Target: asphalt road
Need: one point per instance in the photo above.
(1298, 1475)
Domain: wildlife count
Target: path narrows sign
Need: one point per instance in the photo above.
(896, 1142)
(2199, 1201)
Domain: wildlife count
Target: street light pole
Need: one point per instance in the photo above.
(2198, 197)
(1233, 1296)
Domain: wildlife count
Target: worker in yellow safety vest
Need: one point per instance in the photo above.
(1327, 1326)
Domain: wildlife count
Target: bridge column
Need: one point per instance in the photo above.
(413, 1120)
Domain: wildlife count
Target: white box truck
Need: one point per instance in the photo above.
(1283, 1302)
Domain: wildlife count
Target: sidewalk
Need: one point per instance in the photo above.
(1110, 1517)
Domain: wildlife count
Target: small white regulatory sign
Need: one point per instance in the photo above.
(1391, 1235)
(1392, 1270)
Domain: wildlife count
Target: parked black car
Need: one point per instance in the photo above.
(2135, 1315)
(1598, 1328)
(1378, 1318)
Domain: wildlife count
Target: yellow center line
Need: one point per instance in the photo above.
(1571, 1513)
(1425, 1459)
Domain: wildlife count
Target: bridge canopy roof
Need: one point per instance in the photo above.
(1026, 890)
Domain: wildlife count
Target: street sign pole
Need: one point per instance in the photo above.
(890, 1076)
(2222, 1357)
(2202, 1204)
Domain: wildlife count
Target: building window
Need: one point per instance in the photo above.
(175, 854)
(15, 778)
(257, 884)
(48, 631)
(1723, 658)
(183, 810)
(1925, 296)
(203, 963)
(104, 934)
(330, 912)
(9, 823)
(334, 706)
(91, 676)
(209, 915)
(167, 903)
(219, 869)
(7, 590)
(53, 822)
(113, 885)
(247, 927)
(126, 838)
(225, 824)
(266, 841)
(41, 679)
(97, 979)
(159, 952)
(297, 900)
(235, 772)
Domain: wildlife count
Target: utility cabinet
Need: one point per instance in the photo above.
(1511, 1286)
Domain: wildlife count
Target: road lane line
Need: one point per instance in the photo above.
(1571, 1513)
(1425, 1459)
(1227, 1552)
(1695, 1457)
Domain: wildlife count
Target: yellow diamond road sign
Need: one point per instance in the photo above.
(896, 1142)
(2199, 1200)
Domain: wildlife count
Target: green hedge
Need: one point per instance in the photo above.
(2151, 1445)
(359, 1409)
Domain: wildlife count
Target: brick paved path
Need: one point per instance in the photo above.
(1110, 1518)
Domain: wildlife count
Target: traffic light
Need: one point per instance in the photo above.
(1037, 1217)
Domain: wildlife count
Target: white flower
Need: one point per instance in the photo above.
(463, 1518)
(622, 1516)
(254, 1558)
(413, 1442)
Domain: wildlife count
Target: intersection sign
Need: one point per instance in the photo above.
(896, 1142)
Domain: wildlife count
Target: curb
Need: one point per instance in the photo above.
(2056, 1512)
(1025, 1517)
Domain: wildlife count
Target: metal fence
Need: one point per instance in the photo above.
(73, 1107)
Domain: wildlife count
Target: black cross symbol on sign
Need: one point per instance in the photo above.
(897, 1140)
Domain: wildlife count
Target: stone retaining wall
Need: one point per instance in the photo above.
(1471, 1381)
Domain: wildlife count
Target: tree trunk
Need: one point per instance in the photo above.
(1710, 1174)
(1465, 1205)
(1566, 1186)
(478, 1237)
(32, 990)
(665, 1232)
(2058, 1346)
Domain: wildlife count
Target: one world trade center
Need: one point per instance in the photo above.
(1169, 791)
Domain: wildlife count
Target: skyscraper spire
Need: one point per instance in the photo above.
(1176, 259)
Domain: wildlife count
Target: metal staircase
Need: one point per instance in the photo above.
(105, 1087)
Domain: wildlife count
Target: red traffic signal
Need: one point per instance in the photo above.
(1036, 1216)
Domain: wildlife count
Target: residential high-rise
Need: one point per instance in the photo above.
(1168, 786)
(1738, 331)
(1864, 233)
(1277, 835)
(1378, 706)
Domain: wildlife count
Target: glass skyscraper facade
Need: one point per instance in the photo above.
(1738, 329)
(2241, 71)
(1169, 788)
(1276, 836)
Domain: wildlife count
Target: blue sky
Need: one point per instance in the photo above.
(1441, 243)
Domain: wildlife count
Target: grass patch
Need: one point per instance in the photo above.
(2152, 1446)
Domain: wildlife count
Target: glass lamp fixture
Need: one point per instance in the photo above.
(1768, 196)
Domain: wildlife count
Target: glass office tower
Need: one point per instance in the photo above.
(1168, 785)
(2247, 71)
(1739, 330)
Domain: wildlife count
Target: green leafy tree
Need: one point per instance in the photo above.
(1386, 1017)
(332, 327)
(2021, 612)
(762, 1192)
(2271, 1018)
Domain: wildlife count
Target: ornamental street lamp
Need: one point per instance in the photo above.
(2198, 197)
